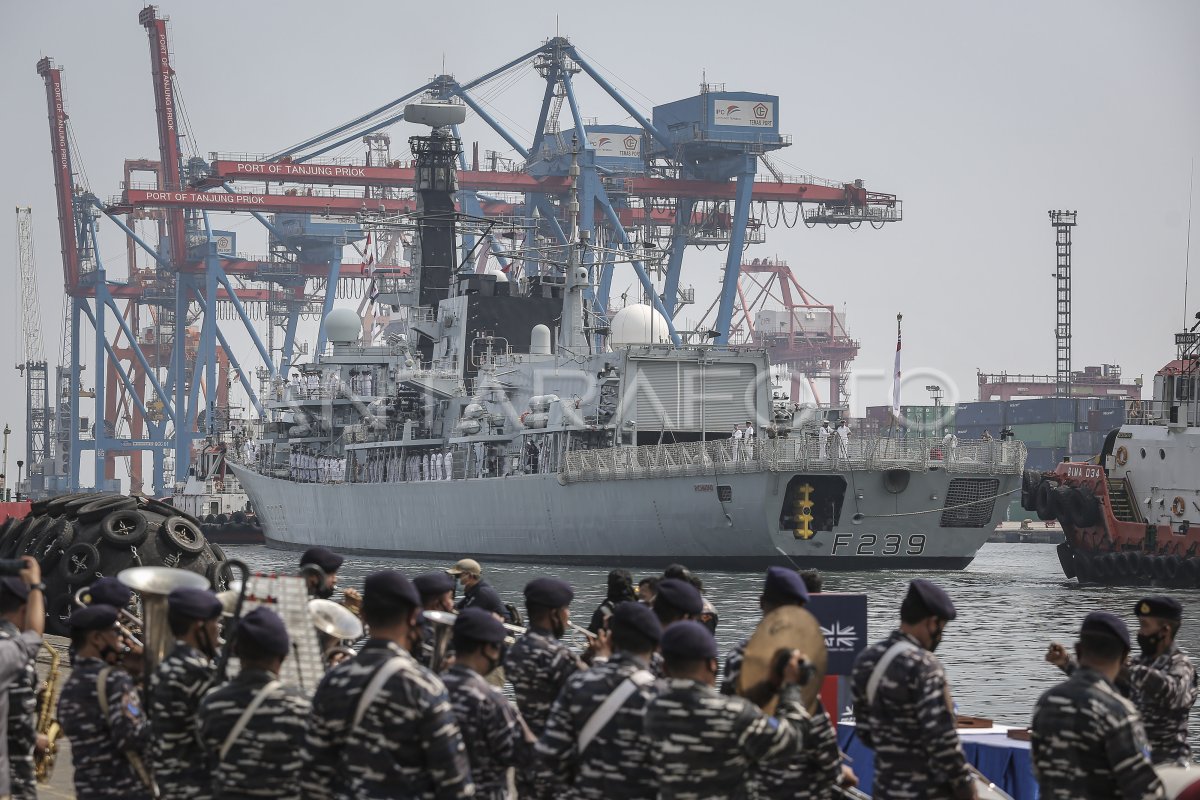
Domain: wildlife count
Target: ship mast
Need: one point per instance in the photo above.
(571, 335)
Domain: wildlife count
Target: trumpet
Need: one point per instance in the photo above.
(125, 613)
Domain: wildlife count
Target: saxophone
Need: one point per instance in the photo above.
(46, 724)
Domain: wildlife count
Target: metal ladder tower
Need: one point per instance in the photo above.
(38, 442)
(1063, 222)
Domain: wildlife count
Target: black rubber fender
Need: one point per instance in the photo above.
(99, 509)
(79, 563)
(1044, 503)
(125, 527)
(182, 534)
(1066, 559)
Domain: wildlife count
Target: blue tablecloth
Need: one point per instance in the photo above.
(1006, 762)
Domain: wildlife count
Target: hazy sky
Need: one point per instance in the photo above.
(980, 117)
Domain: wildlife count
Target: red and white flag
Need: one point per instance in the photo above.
(896, 376)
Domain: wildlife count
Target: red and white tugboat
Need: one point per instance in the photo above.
(1132, 516)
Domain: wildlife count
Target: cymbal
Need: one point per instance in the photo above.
(788, 628)
(330, 618)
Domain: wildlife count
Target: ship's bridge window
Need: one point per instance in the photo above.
(1183, 388)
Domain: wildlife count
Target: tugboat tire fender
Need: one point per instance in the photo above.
(1171, 566)
(1102, 566)
(1045, 501)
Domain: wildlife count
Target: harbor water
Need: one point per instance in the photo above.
(1012, 602)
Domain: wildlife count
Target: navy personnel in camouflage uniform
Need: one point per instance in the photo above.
(902, 708)
(705, 743)
(101, 713)
(111, 592)
(815, 771)
(382, 721)
(321, 581)
(437, 594)
(603, 754)
(176, 687)
(265, 759)
(1161, 681)
(22, 620)
(676, 600)
(492, 730)
(1087, 739)
(539, 664)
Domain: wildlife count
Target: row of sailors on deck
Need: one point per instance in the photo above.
(309, 468)
(435, 466)
(311, 384)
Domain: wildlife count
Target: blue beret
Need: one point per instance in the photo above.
(636, 617)
(13, 585)
(264, 627)
(389, 587)
(681, 595)
(688, 640)
(323, 557)
(785, 585)
(932, 598)
(95, 617)
(478, 625)
(549, 592)
(1160, 606)
(1106, 623)
(194, 603)
(109, 592)
(430, 584)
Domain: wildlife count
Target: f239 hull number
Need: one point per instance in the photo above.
(874, 544)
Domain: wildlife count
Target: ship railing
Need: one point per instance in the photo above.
(802, 454)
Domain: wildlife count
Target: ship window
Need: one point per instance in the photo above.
(1143, 452)
(1162, 454)
(725, 494)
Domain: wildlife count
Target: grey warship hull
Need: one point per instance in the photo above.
(713, 518)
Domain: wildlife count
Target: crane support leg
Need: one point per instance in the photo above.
(679, 236)
(733, 261)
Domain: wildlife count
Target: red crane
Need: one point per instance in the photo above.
(807, 336)
(169, 155)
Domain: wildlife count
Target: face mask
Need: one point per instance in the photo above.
(559, 627)
(323, 592)
(935, 638)
(1149, 644)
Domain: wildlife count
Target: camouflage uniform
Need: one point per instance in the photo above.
(705, 743)
(617, 762)
(491, 731)
(811, 775)
(98, 745)
(408, 738)
(22, 723)
(733, 667)
(180, 768)
(1088, 741)
(909, 726)
(538, 666)
(1164, 690)
(266, 760)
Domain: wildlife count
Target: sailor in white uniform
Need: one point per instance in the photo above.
(843, 433)
(823, 441)
(736, 440)
(425, 467)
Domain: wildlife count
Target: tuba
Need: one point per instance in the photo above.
(153, 584)
(336, 628)
(47, 725)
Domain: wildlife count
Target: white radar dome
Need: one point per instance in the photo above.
(343, 326)
(638, 324)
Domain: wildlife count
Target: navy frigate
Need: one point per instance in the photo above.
(502, 420)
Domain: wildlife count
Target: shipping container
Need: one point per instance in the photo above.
(1089, 442)
(1034, 410)
(972, 433)
(1044, 458)
(989, 413)
(1044, 434)
(1101, 420)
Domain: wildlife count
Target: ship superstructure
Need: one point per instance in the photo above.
(501, 419)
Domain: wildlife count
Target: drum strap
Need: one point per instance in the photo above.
(135, 760)
(375, 687)
(888, 657)
(245, 718)
(611, 705)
